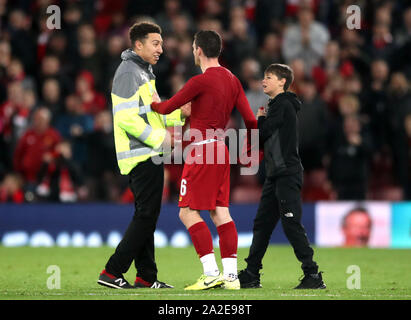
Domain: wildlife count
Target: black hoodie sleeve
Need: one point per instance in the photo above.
(274, 120)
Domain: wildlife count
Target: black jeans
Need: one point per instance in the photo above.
(281, 199)
(146, 182)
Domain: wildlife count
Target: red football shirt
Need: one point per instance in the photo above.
(213, 96)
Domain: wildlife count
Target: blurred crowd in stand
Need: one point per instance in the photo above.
(56, 133)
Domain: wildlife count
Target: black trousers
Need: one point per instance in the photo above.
(146, 182)
(281, 199)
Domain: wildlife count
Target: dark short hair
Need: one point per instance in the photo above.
(140, 30)
(282, 71)
(209, 41)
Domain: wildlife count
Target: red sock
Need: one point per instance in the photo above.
(228, 240)
(201, 238)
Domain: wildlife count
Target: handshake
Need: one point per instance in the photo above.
(170, 139)
(171, 135)
(185, 109)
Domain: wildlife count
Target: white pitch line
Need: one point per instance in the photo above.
(309, 295)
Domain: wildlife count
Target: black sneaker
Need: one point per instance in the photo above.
(140, 283)
(249, 280)
(111, 281)
(312, 281)
(160, 285)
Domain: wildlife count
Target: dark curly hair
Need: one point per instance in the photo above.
(139, 31)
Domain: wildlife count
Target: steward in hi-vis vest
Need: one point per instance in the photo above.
(140, 134)
(138, 131)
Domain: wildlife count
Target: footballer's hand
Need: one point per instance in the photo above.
(186, 110)
(261, 112)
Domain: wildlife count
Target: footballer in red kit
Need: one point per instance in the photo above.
(213, 96)
(205, 182)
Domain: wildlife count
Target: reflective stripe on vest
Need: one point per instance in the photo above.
(136, 153)
(146, 132)
(132, 104)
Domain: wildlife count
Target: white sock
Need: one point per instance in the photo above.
(229, 266)
(210, 267)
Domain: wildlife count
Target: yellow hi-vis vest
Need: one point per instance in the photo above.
(138, 131)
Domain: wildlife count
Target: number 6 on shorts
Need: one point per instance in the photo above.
(183, 187)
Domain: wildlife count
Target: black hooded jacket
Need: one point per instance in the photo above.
(278, 132)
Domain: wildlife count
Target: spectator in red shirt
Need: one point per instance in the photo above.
(11, 189)
(32, 146)
(10, 107)
(93, 101)
(8, 111)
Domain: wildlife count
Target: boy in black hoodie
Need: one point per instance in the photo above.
(281, 194)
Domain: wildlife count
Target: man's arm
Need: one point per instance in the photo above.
(187, 93)
(245, 110)
(251, 154)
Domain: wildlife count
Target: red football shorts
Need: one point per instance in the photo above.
(205, 181)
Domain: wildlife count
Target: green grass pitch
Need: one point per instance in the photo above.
(384, 275)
